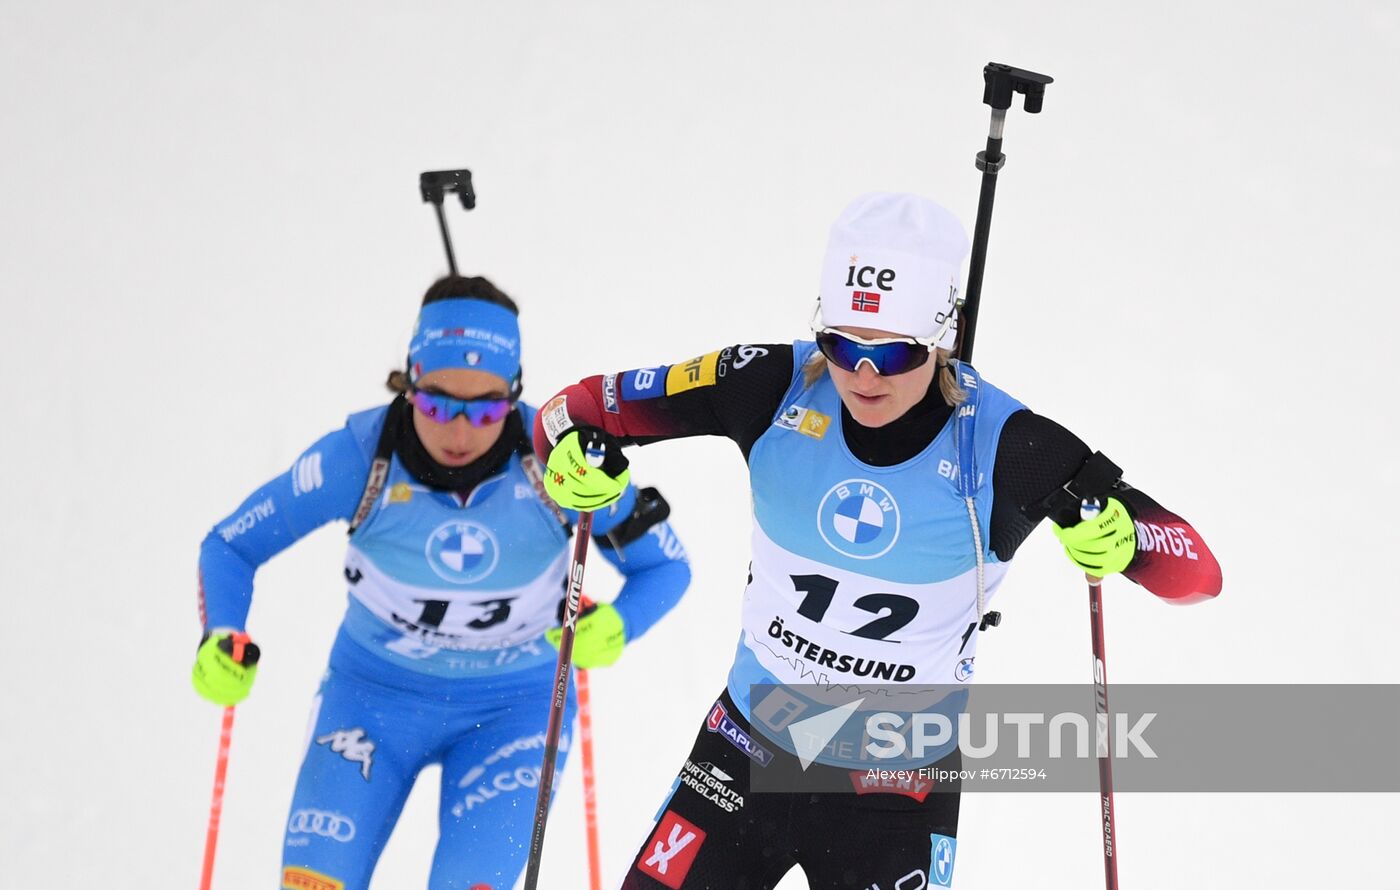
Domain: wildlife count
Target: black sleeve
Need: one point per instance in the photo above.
(1035, 456)
(746, 395)
(732, 392)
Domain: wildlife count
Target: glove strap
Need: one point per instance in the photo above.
(240, 642)
(239, 647)
(1095, 479)
(597, 439)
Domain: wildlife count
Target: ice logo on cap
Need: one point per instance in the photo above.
(858, 518)
(462, 551)
(869, 276)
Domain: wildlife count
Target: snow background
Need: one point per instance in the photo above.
(213, 250)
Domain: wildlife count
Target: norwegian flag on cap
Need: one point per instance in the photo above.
(865, 301)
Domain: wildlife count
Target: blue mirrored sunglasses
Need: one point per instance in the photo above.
(444, 409)
(887, 357)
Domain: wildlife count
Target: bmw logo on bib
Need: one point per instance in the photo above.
(858, 518)
(945, 854)
(462, 552)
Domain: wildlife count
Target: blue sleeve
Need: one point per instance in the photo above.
(657, 572)
(325, 483)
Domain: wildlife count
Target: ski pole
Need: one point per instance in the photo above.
(1088, 509)
(216, 806)
(563, 668)
(1001, 82)
(433, 185)
(590, 791)
(242, 647)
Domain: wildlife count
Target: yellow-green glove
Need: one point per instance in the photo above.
(1103, 545)
(598, 637)
(587, 469)
(225, 666)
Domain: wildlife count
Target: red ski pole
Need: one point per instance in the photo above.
(590, 793)
(216, 806)
(563, 670)
(1104, 749)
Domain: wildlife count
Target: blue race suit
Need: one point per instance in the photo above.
(440, 658)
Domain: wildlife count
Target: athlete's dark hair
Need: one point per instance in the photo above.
(455, 287)
(459, 287)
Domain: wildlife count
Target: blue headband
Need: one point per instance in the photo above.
(465, 333)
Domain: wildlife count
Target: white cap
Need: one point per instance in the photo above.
(894, 262)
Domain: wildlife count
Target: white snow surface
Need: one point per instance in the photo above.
(212, 249)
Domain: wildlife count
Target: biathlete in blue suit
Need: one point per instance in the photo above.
(891, 487)
(456, 567)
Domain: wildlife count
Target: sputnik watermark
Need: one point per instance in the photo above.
(928, 733)
(919, 736)
(1161, 737)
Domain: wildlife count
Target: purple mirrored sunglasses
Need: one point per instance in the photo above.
(444, 409)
